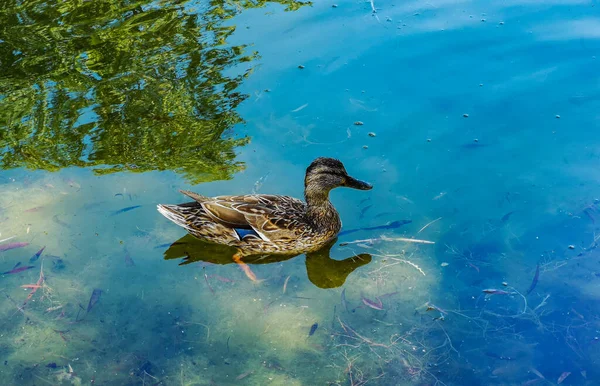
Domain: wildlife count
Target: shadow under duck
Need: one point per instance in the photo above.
(269, 224)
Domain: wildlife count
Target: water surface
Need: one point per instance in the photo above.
(483, 121)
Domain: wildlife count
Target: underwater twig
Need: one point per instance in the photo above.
(385, 238)
(39, 284)
(20, 309)
(409, 263)
(524, 300)
(515, 315)
(286, 283)
(203, 325)
(144, 379)
(9, 238)
(556, 265)
(206, 279)
(448, 337)
(407, 240)
(428, 224)
(373, 6)
(543, 303)
(366, 340)
(387, 265)
(42, 379)
(78, 311)
(398, 261)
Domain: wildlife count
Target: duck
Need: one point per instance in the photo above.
(258, 224)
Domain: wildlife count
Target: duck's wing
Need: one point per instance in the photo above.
(195, 196)
(271, 217)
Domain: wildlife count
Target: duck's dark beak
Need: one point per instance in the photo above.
(357, 184)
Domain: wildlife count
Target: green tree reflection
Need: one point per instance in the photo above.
(122, 85)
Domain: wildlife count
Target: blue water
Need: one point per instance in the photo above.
(475, 121)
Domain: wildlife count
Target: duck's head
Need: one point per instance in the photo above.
(325, 174)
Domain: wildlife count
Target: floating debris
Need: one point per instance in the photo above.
(361, 105)
(300, 108)
(493, 291)
(536, 372)
(72, 183)
(442, 194)
(433, 307)
(244, 375)
(563, 376)
(50, 309)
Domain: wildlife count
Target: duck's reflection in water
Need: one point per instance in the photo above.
(322, 270)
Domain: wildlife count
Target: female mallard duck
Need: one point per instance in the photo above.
(265, 224)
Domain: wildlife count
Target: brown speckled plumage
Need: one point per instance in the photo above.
(270, 223)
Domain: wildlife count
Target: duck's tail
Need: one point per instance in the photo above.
(179, 214)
